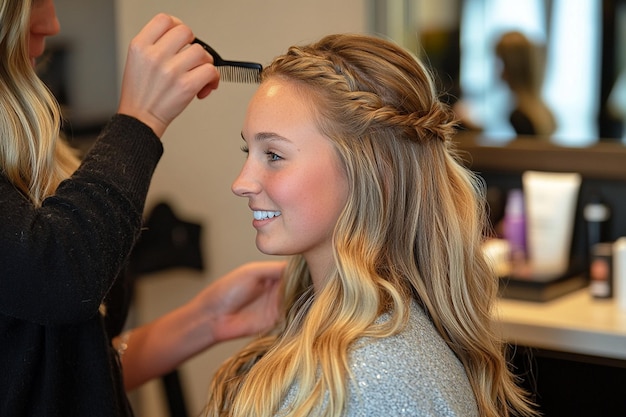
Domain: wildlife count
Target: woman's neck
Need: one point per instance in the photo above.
(320, 267)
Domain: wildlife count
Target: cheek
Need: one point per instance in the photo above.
(293, 191)
(317, 198)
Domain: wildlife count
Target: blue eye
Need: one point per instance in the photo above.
(272, 156)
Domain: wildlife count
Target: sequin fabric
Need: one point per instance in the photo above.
(413, 373)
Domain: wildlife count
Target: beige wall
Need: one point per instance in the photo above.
(202, 148)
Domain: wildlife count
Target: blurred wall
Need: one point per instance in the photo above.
(202, 150)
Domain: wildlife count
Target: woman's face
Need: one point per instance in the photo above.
(292, 176)
(43, 23)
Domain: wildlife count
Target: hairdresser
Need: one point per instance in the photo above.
(67, 228)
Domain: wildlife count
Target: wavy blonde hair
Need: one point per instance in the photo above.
(412, 229)
(32, 156)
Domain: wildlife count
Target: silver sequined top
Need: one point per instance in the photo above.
(413, 373)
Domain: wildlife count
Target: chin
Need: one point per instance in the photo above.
(268, 249)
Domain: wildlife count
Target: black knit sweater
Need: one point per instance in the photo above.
(57, 265)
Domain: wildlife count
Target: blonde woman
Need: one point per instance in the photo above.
(351, 171)
(66, 230)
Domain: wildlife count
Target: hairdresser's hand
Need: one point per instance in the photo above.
(164, 73)
(243, 302)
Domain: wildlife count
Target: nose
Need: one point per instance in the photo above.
(44, 20)
(245, 185)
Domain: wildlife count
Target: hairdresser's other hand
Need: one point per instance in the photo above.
(243, 302)
(163, 73)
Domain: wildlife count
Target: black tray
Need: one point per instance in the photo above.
(533, 290)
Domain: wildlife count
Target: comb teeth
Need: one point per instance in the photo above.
(233, 71)
(236, 74)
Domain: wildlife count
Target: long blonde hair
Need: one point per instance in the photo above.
(32, 156)
(412, 229)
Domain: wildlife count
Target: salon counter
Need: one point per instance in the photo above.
(569, 352)
(574, 323)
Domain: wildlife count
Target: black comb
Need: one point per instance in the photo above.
(233, 71)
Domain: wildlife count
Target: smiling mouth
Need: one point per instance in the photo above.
(264, 215)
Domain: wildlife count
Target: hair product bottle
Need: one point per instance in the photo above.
(514, 228)
(619, 272)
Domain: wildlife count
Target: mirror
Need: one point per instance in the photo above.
(579, 58)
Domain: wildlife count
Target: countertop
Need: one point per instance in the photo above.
(573, 323)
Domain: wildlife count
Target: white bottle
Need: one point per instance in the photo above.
(619, 272)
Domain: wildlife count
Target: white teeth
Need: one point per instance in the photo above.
(263, 215)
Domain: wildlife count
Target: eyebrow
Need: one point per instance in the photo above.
(266, 136)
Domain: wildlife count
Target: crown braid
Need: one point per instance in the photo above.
(368, 103)
(419, 126)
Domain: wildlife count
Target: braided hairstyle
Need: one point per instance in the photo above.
(411, 230)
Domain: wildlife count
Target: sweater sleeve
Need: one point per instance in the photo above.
(57, 262)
